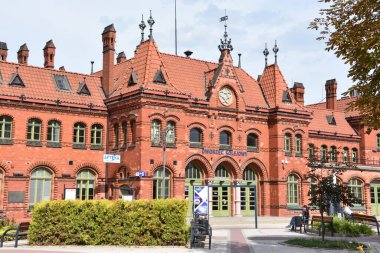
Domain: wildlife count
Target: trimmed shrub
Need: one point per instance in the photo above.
(103, 222)
(343, 226)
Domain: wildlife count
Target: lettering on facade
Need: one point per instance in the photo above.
(224, 152)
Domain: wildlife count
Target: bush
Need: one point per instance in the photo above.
(138, 223)
(343, 226)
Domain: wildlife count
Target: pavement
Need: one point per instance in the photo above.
(230, 235)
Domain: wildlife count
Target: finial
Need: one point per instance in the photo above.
(151, 23)
(275, 50)
(226, 43)
(239, 65)
(142, 27)
(266, 53)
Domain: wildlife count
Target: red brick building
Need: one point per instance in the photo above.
(223, 128)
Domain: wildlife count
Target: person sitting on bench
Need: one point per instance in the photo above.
(347, 212)
(305, 217)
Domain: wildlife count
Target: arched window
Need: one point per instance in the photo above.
(292, 190)
(378, 142)
(225, 140)
(96, 135)
(333, 154)
(354, 155)
(192, 171)
(323, 153)
(155, 131)
(161, 184)
(195, 138)
(252, 142)
(298, 145)
(116, 134)
(53, 131)
(79, 134)
(34, 130)
(40, 186)
(249, 174)
(5, 128)
(85, 185)
(221, 172)
(287, 144)
(124, 128)
(170, 134)
(355, 186)
(311, 151)
(345, 155)
(313, 186)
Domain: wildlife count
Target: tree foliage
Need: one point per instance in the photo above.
(351, 29)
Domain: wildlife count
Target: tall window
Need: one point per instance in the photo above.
(323, 153)
(249, 174)
(40, 186)
(124, 129)
(225, 140)
(85, 185)
(287, 143)
(221, 172)
(298, 145)
(161, 191)
(345, 154)
(252, 142)
(79, 133)
(155, 132)
(34, 130)
(313, 186)
(354, 154)
(116, 133)
(355, 186)
(170, 134)
(333, 154)
(96, 135)
(311, 151)
(195, 137)
(5, 127)
(133, 131)
(192, 171)
(378, 142)
(1, 186)
(292, 190)
(53, 131)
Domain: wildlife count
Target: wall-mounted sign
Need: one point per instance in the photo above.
(201, 200)
(16, 197)
(70, 193)
(140, 174)
(224, 152)
(109, 158)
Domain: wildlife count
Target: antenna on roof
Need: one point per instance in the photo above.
(175, 25)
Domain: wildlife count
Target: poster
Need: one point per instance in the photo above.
(201, 200)
(70, 193)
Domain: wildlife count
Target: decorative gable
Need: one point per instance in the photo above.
(159, 77)
(83, 89)
(16, 80)
(132, 79)
(331, 119)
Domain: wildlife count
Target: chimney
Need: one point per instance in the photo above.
(108, 37)
(298, 91)
(121, 57)
(3, 51)
(188, 53)
(330, 88)
(23, 54)
(49, 53)
(239, 65)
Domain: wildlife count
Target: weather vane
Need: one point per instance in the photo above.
(226, 43)
(266, 53)
(275, 50)
(151, 23)
(142, 27)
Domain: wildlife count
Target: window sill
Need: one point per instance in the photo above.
(170, 145)
(6, 142)
(225, 147)
(33, 143)
(288, 154)
(50, 144)
(156, 145)
(293, 207)
(79, 146)
(298, 154)
(358, 208)
(96, 147)
(253, 149)
(196, 145)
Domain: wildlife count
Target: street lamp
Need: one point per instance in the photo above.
(164, 133)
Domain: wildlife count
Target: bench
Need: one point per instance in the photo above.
(299, 223)
(20, 230)
(200, 228)
(326, 220)
(365, 219)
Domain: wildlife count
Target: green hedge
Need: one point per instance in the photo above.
(139, 223)
(343, 226)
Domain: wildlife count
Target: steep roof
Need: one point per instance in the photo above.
(341, 106)
(40, 85)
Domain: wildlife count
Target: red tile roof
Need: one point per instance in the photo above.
(40, 86)
(341, 106)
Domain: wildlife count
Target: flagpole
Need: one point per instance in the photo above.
(175, 24)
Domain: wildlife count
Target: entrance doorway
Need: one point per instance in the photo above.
(247, 192)
(193, 178)
(221, 192)
(375, 198)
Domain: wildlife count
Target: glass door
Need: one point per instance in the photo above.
(247, 195)
(221, 201)
(375, 198)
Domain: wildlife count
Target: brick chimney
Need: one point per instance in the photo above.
(23, 54)
(330, 88)
(108, 37)
(298, 91)
(121, 57)
(3, 51)
(49, 53)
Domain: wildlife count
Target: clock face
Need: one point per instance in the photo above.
(225, 96)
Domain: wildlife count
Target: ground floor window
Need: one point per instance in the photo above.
(85, 185)
(40, 186)
(161, 184)
(292, 190)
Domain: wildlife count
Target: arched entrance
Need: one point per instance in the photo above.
(375, 197)
(221, 192)
(193, 178)
(247, 192)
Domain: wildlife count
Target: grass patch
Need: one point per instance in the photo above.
(327, 244)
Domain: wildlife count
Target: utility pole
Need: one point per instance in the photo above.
(164, 132)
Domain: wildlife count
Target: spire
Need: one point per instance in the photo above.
(226, 43)
(275, 50)
(151, 23)
(266, 53)
(142, 27)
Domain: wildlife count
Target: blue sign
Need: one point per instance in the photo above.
(140, 174)
(224, 152)
(109, 158)
(201, 200)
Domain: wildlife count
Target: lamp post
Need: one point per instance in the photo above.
(164, 133)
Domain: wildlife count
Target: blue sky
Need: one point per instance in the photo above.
(76, 27)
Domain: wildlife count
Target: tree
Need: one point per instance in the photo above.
(351, 29)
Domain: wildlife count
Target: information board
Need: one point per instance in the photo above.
(201, 200)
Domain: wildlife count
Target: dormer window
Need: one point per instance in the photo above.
(16, 80)
(132, 79)
(286, 97)
(61, 82)
(159, 77)
(83, 89)
(1, 79)
(331, 119)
